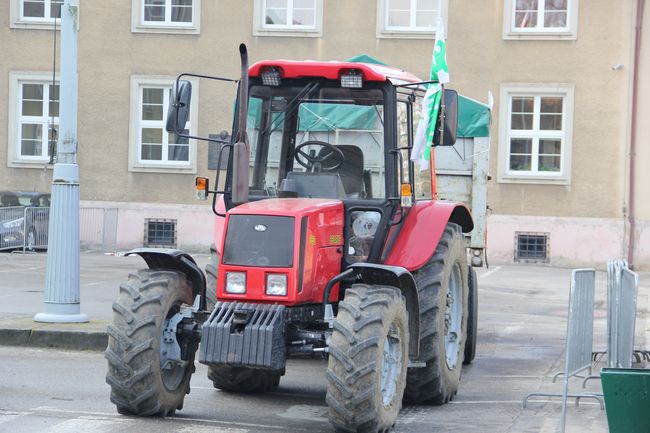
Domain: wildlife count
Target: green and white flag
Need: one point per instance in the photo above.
(431, 101)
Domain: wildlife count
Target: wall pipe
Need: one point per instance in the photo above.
(635, 85)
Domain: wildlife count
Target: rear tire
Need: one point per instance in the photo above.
(139, 385)
(366, 372)
(472, 320)
(242, 379)
(211, 270)
(442, 331)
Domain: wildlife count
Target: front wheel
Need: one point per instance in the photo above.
(144, 370)
(443, 298)
(368, 359)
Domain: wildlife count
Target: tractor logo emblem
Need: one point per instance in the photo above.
(260, 228)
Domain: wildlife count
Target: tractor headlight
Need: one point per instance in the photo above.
(14, 224)
(364, 224)
(236, 282)
(276, 284)
(364, 227)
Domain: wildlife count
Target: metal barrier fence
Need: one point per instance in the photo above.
(26, 228)
(622, 289)
(579, 343)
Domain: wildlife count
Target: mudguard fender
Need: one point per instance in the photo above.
(416, 239)
(395, 276)
(177, 260)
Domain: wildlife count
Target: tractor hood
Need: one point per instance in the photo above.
(286, 206)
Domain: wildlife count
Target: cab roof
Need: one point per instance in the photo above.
(332, 70)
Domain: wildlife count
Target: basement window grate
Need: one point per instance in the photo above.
(160, 233)
(531, 247)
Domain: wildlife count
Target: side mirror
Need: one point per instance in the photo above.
(449, 118)
(240, 173)
(179, 109)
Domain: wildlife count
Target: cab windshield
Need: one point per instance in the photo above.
(316, 141)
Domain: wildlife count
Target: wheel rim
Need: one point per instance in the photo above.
(171, 371)
(391, 365)
(453, 317)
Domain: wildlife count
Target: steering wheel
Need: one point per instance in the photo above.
(312, 162)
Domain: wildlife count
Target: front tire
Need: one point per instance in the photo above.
(142, 380)
(242, 379)
(443, 295)
(368, 359)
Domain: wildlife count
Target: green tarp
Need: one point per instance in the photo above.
(473, 116)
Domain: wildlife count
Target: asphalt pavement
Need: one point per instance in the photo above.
(521, 335)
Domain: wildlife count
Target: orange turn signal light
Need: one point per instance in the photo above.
(202, 187)
(406, 190)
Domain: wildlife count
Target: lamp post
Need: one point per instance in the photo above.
(62, 275)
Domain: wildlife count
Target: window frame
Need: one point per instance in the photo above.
(15, 118)
(570, 32)
(136, 164)
(139, 25)
(384, 31)
(18, 21)
(260, 28)
(509, 90)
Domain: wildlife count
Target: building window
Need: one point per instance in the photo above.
(288, 17)
(35, 13)
(159, 233)
(166, 16)
(409, 18)
(535, 127)
(152, 147)
(540, 19)
(34, 118)
(531, 247)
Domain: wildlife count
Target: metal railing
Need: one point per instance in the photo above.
(622, 289)
(579, 342)
(26, 228)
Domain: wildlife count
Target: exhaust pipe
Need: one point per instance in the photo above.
(241, 150)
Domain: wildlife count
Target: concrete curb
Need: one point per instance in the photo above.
(24, 331)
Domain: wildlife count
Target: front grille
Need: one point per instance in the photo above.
(259, 240)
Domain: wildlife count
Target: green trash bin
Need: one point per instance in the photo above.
(627, 399)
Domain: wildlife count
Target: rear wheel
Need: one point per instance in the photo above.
(211, 270)
(442, 292)
(145, 377)
(368, 359)
(472, 320)
(241, 379)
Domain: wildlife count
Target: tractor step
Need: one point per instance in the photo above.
(244, 334)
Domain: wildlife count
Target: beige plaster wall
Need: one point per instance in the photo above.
(480, 60)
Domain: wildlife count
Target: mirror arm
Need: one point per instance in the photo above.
(216, 183)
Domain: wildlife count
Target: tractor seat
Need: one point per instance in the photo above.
(351, 170)
(313, 185)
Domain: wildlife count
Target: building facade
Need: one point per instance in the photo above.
(560, 73)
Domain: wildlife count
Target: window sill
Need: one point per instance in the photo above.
(534, 180)
(298, 33)
(141, 168)
(36, 25)
(540, 36)
(38, 164)
(164, 29)
(406, 34)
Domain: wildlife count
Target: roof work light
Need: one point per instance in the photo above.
(271, 76)
(352, 78)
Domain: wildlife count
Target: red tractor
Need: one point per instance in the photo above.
(328, 242)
